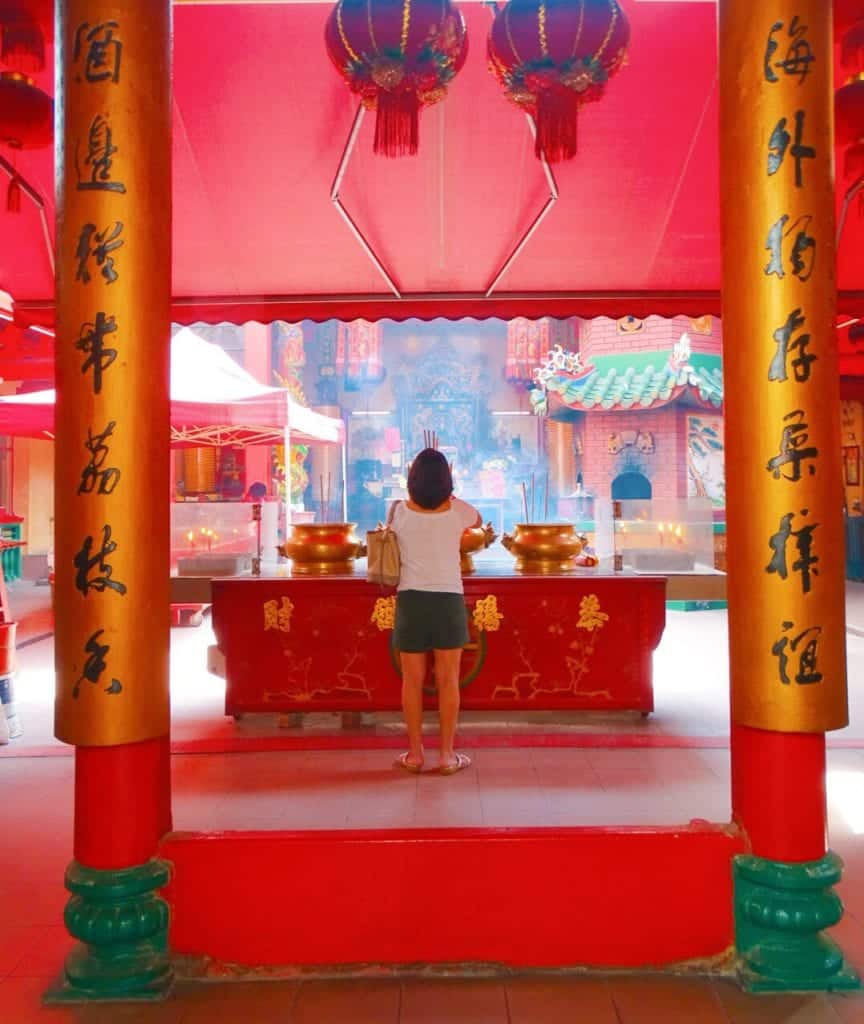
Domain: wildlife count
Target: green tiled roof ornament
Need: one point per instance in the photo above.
(636, 380)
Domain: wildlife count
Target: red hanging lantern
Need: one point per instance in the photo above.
(26, 28)
(552, 57)
(849, 30)
(398, 56)
(849, 122)
(26, 113)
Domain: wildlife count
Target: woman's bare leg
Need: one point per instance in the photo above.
(413, 674)
(447, 680)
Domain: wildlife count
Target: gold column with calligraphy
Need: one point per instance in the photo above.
(562, 457)
(113, 332)
(784, 488)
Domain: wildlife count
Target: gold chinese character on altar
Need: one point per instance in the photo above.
(384, 613)
(590, 615)
(276, 617)
(486, 614)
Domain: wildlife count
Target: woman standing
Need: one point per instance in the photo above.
(430, 608)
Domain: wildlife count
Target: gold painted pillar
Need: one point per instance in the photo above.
(112, 479)
(562, 457)
(113, 330)
(784, 488)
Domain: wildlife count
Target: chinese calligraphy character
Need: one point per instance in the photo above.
(799, 55)
(105, 244)
(91, 340)
(96, 665)
(100, 150)
(802, 263)
(807, 672)
(779, 143)
(85, 562)
(276, 617)
(792, 451)
(95, 475)
(783, 336)
(804, 544)
(103, 51)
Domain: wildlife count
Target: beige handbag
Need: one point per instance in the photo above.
(383, 564)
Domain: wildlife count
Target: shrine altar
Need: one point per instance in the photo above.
(569, 642)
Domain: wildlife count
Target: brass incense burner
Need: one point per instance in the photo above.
(322, 549)
(544, 547)
(476, 538)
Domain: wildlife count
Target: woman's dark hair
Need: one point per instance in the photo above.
(430, 482)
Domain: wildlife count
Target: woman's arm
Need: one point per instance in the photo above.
(470, 516)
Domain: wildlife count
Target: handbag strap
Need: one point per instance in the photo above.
(390, 515)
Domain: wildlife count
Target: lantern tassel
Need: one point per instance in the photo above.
(557, 124)
(853, 161)
(22, 47)
(397, 123)
(13, 195)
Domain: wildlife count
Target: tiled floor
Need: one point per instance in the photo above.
(35, 799)
(521, 786)
(327, 789)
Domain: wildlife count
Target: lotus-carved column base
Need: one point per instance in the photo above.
(781, 911)
(122, 925)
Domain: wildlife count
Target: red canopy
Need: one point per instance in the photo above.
(214, 402)
(260, 122)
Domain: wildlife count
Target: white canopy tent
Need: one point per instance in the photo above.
(214, 402)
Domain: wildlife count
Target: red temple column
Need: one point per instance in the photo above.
(784, 492)
(112, 478)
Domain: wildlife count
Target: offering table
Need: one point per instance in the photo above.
(577, 642)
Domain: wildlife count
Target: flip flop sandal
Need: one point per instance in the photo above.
(462, 761)
(403, 763)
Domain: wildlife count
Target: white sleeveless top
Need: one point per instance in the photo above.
(429, 546)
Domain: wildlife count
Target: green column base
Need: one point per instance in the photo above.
(123, 927)
(780, 912)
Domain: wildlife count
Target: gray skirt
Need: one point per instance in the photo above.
(428, 620)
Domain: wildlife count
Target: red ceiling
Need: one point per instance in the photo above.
(261, 118)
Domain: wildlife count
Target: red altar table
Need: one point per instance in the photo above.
(576, 642)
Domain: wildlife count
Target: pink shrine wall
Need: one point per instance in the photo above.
(666, 466)
(601, 336)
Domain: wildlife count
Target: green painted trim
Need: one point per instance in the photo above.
(781, 911)
(122, 925)
(691, 605)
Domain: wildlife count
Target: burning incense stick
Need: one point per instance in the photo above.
(546, 499)
(525, 501)
(329, 510)
(321, 489)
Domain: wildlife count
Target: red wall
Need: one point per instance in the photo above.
(625, 897)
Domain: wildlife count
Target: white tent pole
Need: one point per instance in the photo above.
(345, 475)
